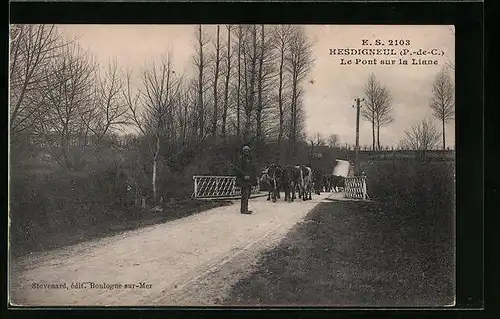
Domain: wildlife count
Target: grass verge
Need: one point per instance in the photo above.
(357, 254)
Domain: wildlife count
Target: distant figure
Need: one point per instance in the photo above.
(245, 178)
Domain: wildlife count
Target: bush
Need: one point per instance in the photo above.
(63, 201)
(419, 187)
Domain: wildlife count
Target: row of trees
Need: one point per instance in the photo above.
(424, 135)
(243, 83)
(58, 93)
(247, 87)
(249, 79)
(378, 109)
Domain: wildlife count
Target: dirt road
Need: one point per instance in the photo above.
(187, 262)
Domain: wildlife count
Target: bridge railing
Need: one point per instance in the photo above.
(217, 187)
(355, 187)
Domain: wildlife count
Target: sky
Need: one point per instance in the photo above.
(330, 88)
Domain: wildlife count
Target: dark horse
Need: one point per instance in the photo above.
(291, 182)
(327, 185)
(273, 176)
(306, 182)
(317, 181)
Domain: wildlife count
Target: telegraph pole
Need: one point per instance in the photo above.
(356, 163)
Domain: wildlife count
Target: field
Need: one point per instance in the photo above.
(396, 251)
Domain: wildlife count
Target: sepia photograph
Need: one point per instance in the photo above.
(233, 165)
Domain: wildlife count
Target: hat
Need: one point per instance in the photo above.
(246, 148)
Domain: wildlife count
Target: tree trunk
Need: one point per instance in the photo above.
(251, 98)
(378, 136)
(201, 110)
(155, 164)
(280, 101)
(185, 120)
(246, 105)
(226, 85)
(65, 151)
(65, 145)
(444, 139)
(294, 117)
(373, 133)
(216, 79)
(259, 86)
(238, 104)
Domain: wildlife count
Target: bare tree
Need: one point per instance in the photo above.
(186, 113)
(333, 140)
(282, 37)
(109, 110)
(265, 107)
(260, 80)
(300, 116)
(369, 111)
(240, 37)
(383, 112)
(422, 136)
(32, 50)
(226, 83)
(250, 67)
(215, 113)
(161, 93)
(201, 64)
(443, 100)
(319, 139)
(299, 62)
(69, 90)
(378, 108)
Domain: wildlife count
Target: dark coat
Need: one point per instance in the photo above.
(246, 167)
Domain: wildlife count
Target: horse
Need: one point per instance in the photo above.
(327, 185)
(272, 176)
(317, 181)
(291, 182)
(265, 179)
(305, 182)
(275, 173)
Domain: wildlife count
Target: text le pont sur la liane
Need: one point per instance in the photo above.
(387, 52)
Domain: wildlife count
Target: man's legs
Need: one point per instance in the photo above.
(245, 195)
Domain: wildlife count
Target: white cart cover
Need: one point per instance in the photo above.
(341, 168)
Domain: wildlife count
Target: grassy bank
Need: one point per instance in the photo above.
(397, 251)
(355, 254)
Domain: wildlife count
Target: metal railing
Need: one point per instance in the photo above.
(355, 187)
(217, 187)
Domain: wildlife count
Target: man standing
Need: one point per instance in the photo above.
(245, 178)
